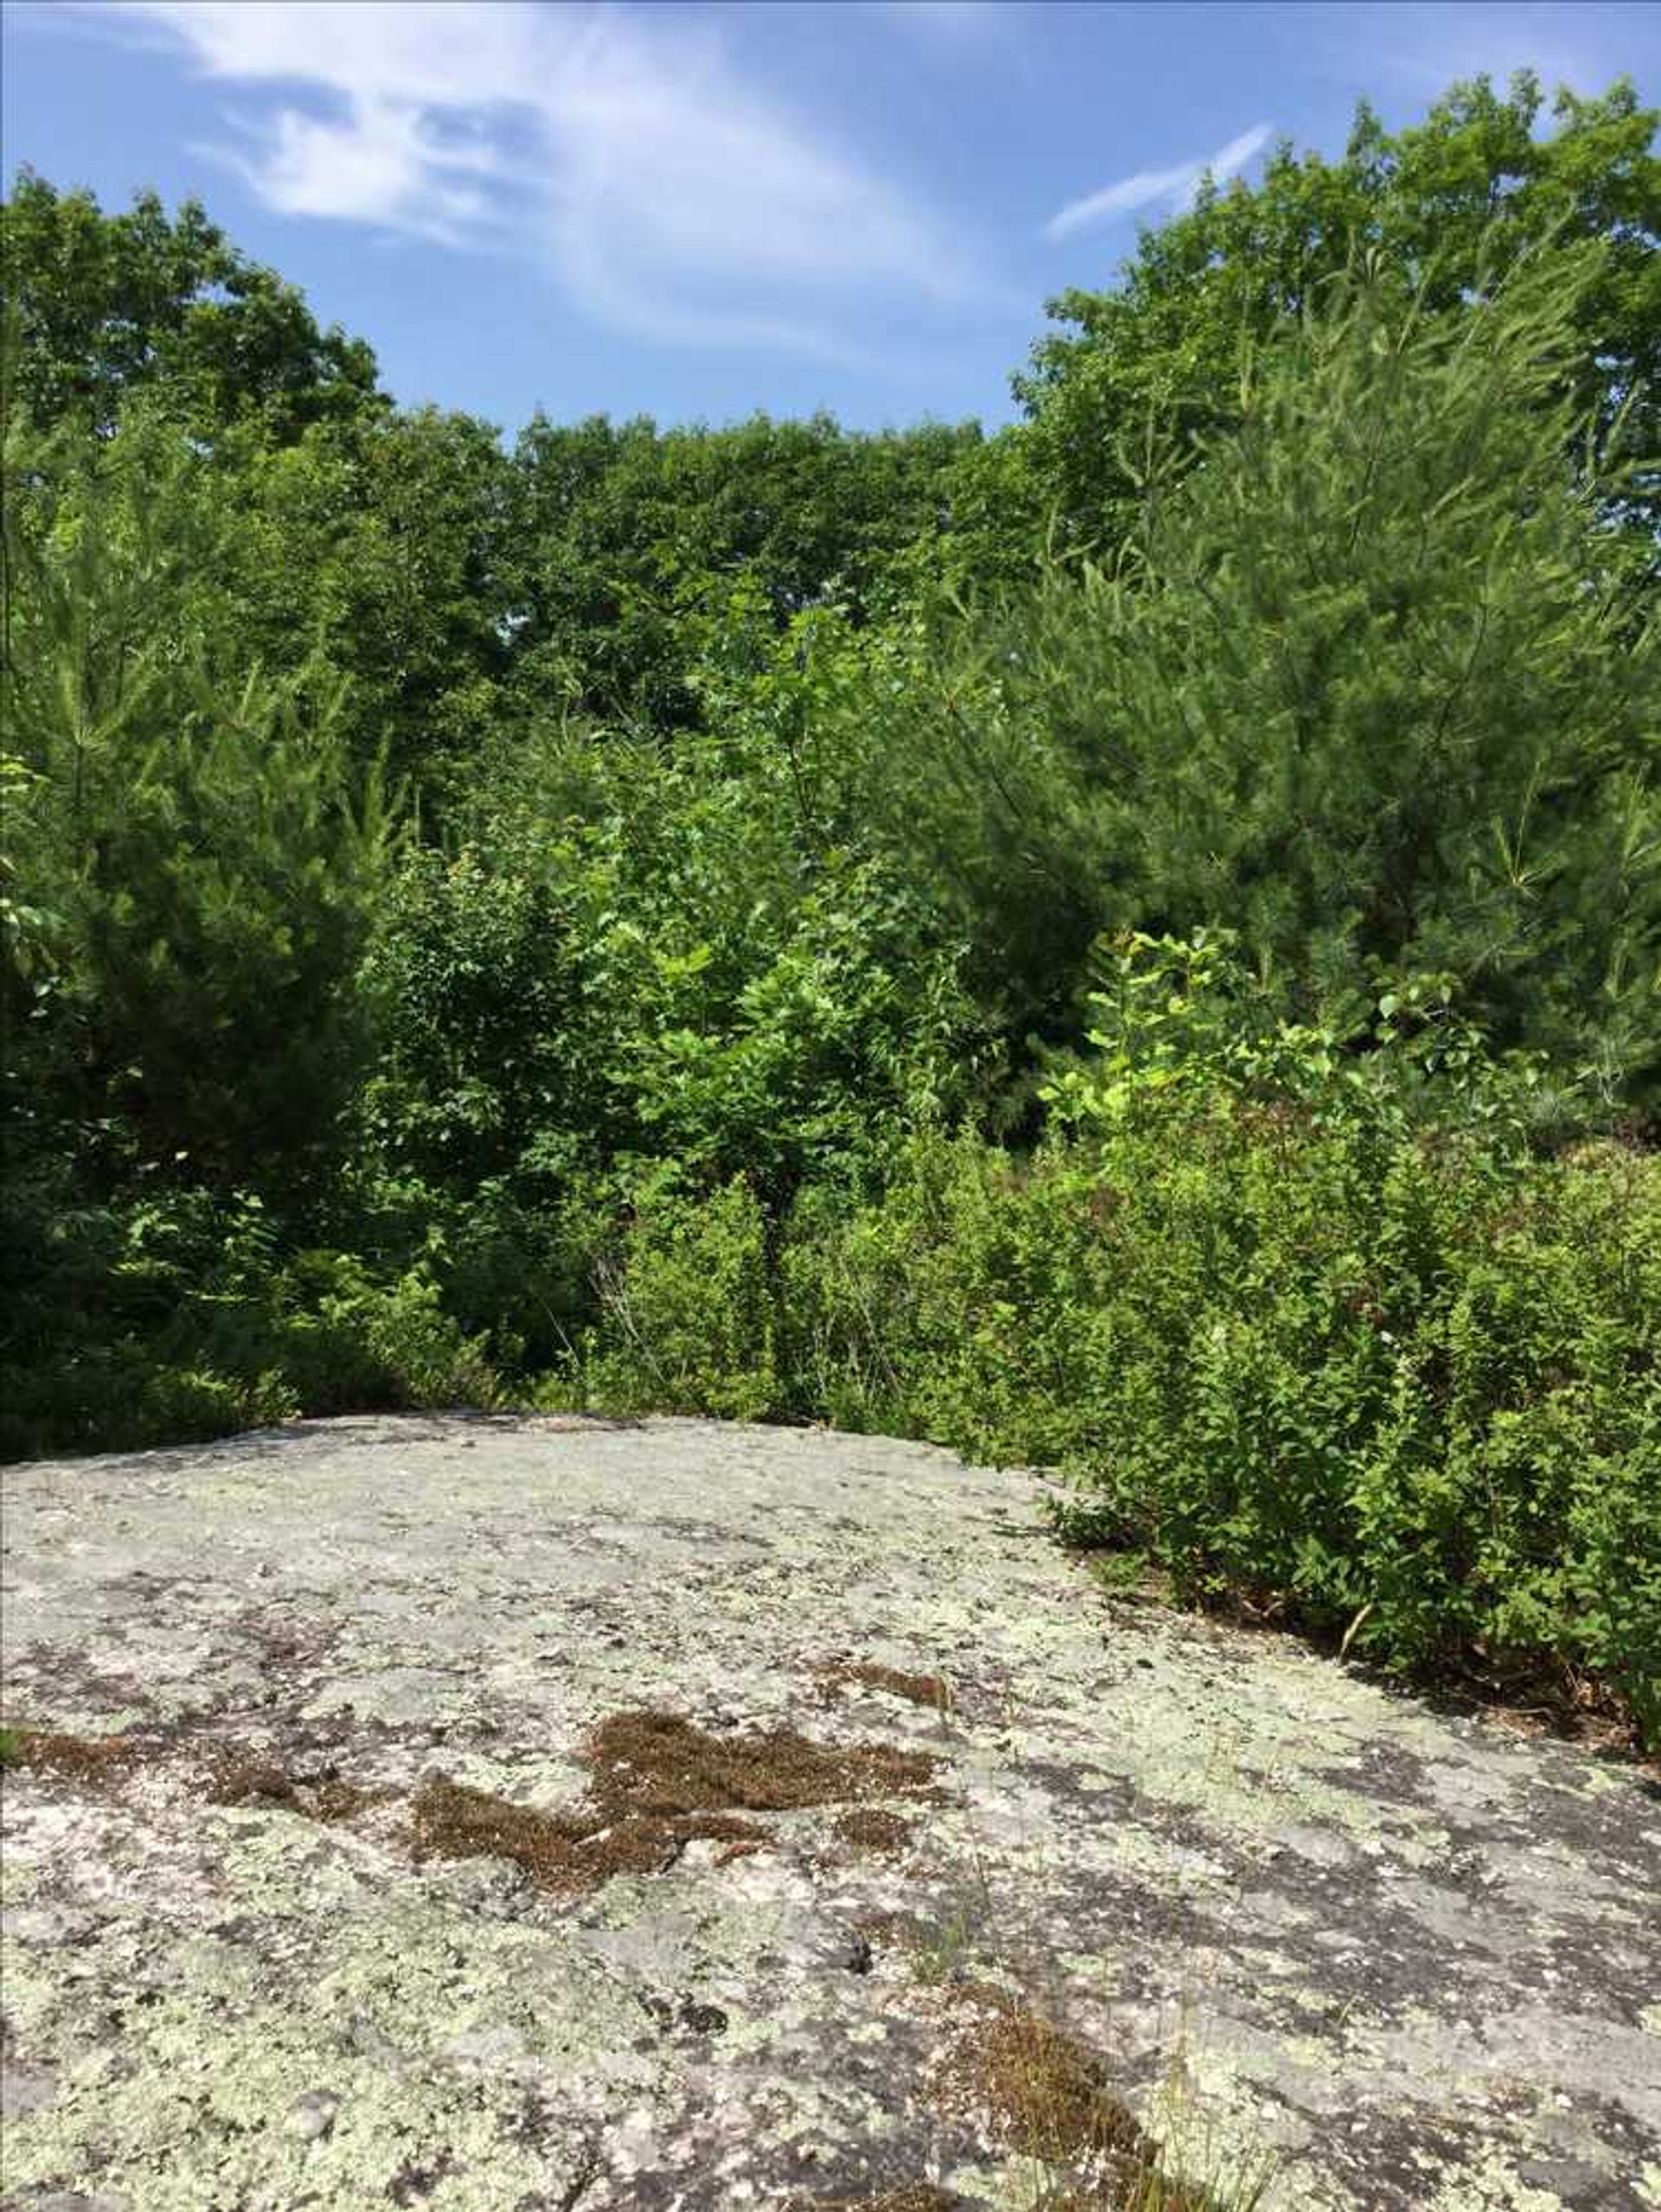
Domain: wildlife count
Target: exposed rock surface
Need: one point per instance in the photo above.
(1412, 1961)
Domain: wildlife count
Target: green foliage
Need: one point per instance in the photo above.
(779, 811)
(1183, 1013)
(1380, 690)
(1312, 1329)
(634, 957)
(1444, 207)
(686, 1310)
(195, 858)
(343, 530)
(628, 538)
(100, 307)
(350, 1342)
(379, 546)
(639, 953)
(178, 1314)
(1398, 1390)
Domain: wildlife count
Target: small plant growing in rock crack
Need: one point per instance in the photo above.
(941, 1953)
(1046, 2096)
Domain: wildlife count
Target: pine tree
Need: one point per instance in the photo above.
(1376, 686)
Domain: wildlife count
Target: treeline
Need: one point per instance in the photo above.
(1131, 941)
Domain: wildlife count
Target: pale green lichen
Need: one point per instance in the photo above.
(1299, 1917)
(1492, 2183)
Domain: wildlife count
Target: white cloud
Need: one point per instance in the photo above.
(673, 196)
(1171, 188)
(381, 165)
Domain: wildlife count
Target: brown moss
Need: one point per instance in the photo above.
(564, 1852)
(236, 1779)
(663, 1763)
(1048, 2097)
(76, 1759)
(452, 1821)
(232, 1776)
(870, 1827)
(657, 1783)
(933, 1691)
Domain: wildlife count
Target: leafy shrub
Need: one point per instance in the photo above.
(112, 1397)
(1393, 1376)
(179, 1315)
(1385, 1392)
(632, 959)
(350, 1342)
(687, 1307)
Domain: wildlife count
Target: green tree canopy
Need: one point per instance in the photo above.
(193, 852)
(1443, 206)
(1378, 689)
(100, 305)
(381, 545)
(625, 534)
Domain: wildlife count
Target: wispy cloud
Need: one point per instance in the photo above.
(672, 196)
(1173, 188)
(381, 164)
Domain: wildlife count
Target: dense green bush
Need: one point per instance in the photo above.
(687, 1321)
(639, 953)
(1326, 1335)
(178, 1314)
(1387, 1394)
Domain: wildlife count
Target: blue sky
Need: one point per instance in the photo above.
(698, 209)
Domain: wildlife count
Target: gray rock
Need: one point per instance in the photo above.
(24, 2089)
(69, 2200)
(1412, 1960)
(312, 2115)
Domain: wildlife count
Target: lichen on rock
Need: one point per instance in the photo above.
(467, 1812)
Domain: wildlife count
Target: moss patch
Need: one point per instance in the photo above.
(651, 1762)
(1048, 2099)
(870, 1827)
(568, 1853)
(77, 1759)
(658, 1783)
(237, 1780)
(233, 1777)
